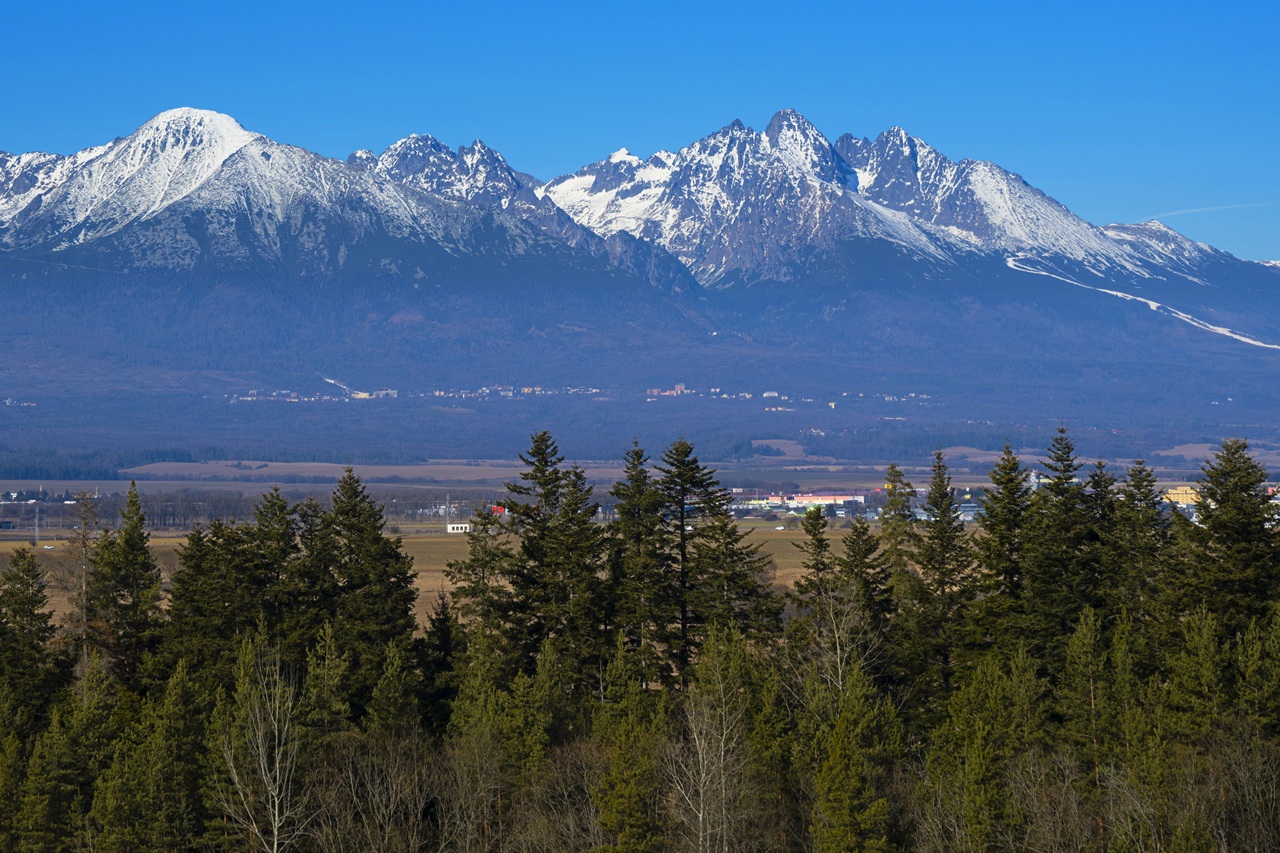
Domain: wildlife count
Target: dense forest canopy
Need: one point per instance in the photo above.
(1081, 669)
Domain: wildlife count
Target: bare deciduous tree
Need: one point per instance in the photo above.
(559, 815)
(259, 791)
(376, 796)
(470, 785)
(707, 767)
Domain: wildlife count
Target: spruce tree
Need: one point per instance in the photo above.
(851, 809)
(274, 548)
(124, 593)
(375, 591)
(842, 605)
(732, 582)
(13, 761)
(1235, 553)
(1084, 699)
(554, 576)
(629, 726)
(1257, 668)
(1198, 679)
(715, 575)
(213, 603)
(28, 672)
(862, 565)
(393, 709)
(151, 796)
(325, 713)
(1137, 553)
(1060, 572)
(996, 714)
(67, 760)
(480, 592)
(637, 567)
(440, 656)
(999, 548)
(940, 611)
(819, 563)
(690, 493)
(310, 586)
(898, 533)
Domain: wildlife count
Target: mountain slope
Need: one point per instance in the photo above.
(477, 175)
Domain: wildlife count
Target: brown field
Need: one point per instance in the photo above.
(478, 472)
(430, 552)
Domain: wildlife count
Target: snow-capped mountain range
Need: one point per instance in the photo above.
(750, 205)
(194, 253)
(193, 189)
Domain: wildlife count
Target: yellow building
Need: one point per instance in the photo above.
(1182, 495)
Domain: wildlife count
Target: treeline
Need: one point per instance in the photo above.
(1085, 670)
(45, 464)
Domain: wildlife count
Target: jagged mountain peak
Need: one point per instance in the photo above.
(895, 133)
(477, 151)
(472, 172)
(733, 128)
(622, 155)
(413, 153)
(788, 118)
(362, 159)
(800, 144)
(738, 205)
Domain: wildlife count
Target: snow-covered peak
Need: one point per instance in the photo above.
(734, 128)
(477, 152)
(897, 137)
(100, 190)
(622, 155)
(362, 159)
(473, 172)
(187, 127)
(412, 155)
(799, 144)
(789, 121)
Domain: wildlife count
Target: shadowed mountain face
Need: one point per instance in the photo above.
(196, 257)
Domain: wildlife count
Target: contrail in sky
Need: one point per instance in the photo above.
(1207, 209)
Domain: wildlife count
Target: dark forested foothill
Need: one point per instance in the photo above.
(1082, 669)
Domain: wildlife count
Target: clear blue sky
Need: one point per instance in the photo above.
(1120, 110)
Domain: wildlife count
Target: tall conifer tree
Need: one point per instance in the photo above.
(1000, 548)
(1059, 572)
(1235, 550)
(637, 563)
(375, 591)
(124, 593)
(28, 673)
